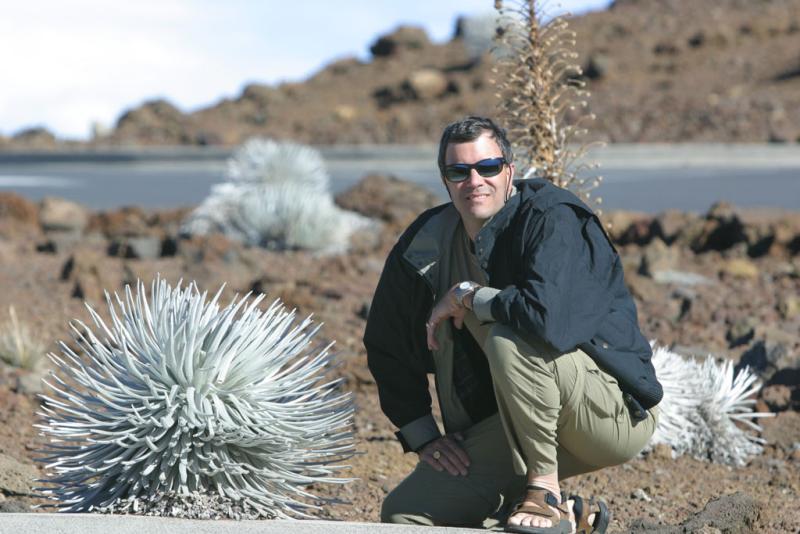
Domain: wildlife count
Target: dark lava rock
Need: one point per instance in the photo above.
(729, 514)
(597, 66)
(777, 396)
(669, 224)
(769, 355)
(723, 229)
(404, 37)
(148, 248)
(741, 332)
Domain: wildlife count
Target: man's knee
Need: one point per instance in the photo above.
(398, 507)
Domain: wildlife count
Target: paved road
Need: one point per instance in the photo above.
(647, 178)
(102, 524)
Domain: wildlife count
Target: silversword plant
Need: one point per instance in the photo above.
(179, 395)
(19, 346)
(703, 401)
(275, 195)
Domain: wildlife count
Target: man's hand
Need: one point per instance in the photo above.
(447, 307)
(446, 453)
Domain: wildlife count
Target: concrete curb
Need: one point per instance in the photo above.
(35, 523)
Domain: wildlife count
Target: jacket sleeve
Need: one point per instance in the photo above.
(395, 345)
(567, 285)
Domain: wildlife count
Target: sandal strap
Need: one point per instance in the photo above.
(539, 502)
(583, 509)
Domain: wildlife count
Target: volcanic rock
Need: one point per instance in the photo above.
(147, 247)
(128, 221)
(155, 122)
(89, 276)
(597, 66)
(16, 478)
(18, 208)
(741, 332)
(722, 229)
(777, 396)
(668, 224)
(771, 353)
(426, 84)
(735, 514)
(740, 268)
(403, 38)
(658, 257)
(58, 214)
(35, 138)
(626, 227)
(387, 198)
(59, 242)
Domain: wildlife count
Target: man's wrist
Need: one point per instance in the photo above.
(468, 299)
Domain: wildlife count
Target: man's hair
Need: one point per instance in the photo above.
(470, 129)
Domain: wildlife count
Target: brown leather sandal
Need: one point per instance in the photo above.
(582, 512)
(541, 500)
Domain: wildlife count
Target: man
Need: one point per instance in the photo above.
(513, 297)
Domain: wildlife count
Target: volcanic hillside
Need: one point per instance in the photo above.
(658, 70)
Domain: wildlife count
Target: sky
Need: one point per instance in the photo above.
(67, 65)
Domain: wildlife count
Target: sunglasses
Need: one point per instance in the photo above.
(458, 172)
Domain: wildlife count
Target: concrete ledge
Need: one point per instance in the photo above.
(34, 523)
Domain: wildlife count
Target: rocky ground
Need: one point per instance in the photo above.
(725, 283)
(658, 70)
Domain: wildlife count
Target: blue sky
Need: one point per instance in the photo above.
(77, 62)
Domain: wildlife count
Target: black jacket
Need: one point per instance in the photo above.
(561, 280)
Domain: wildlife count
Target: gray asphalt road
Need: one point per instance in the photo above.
(103, 524)
(647, 178)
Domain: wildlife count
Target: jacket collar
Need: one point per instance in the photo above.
(431, 242)
(436, 237)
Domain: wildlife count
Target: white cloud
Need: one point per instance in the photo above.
(88, 60)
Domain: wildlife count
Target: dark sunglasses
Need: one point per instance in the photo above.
(458, 172)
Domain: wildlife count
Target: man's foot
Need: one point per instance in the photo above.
(541, 512)
(591, 517)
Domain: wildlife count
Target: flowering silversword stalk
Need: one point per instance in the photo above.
(703, 401)
(541, 96)
(179, 395)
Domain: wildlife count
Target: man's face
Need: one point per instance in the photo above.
(478, 198)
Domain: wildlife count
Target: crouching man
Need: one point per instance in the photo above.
(513, 297)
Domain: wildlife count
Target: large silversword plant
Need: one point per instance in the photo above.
(178, 395)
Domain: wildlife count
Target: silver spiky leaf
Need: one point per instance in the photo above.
(703, 401)
(182, 395)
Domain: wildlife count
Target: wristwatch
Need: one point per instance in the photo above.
(463, 289)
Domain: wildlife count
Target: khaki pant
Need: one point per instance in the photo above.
(556, 412)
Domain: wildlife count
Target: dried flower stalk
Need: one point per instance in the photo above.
(538, 85)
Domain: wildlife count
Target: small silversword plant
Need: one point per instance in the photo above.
(178, 395)
(703, 402)
(19, 346)
(276, 195)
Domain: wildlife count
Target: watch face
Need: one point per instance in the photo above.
(463, 289)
